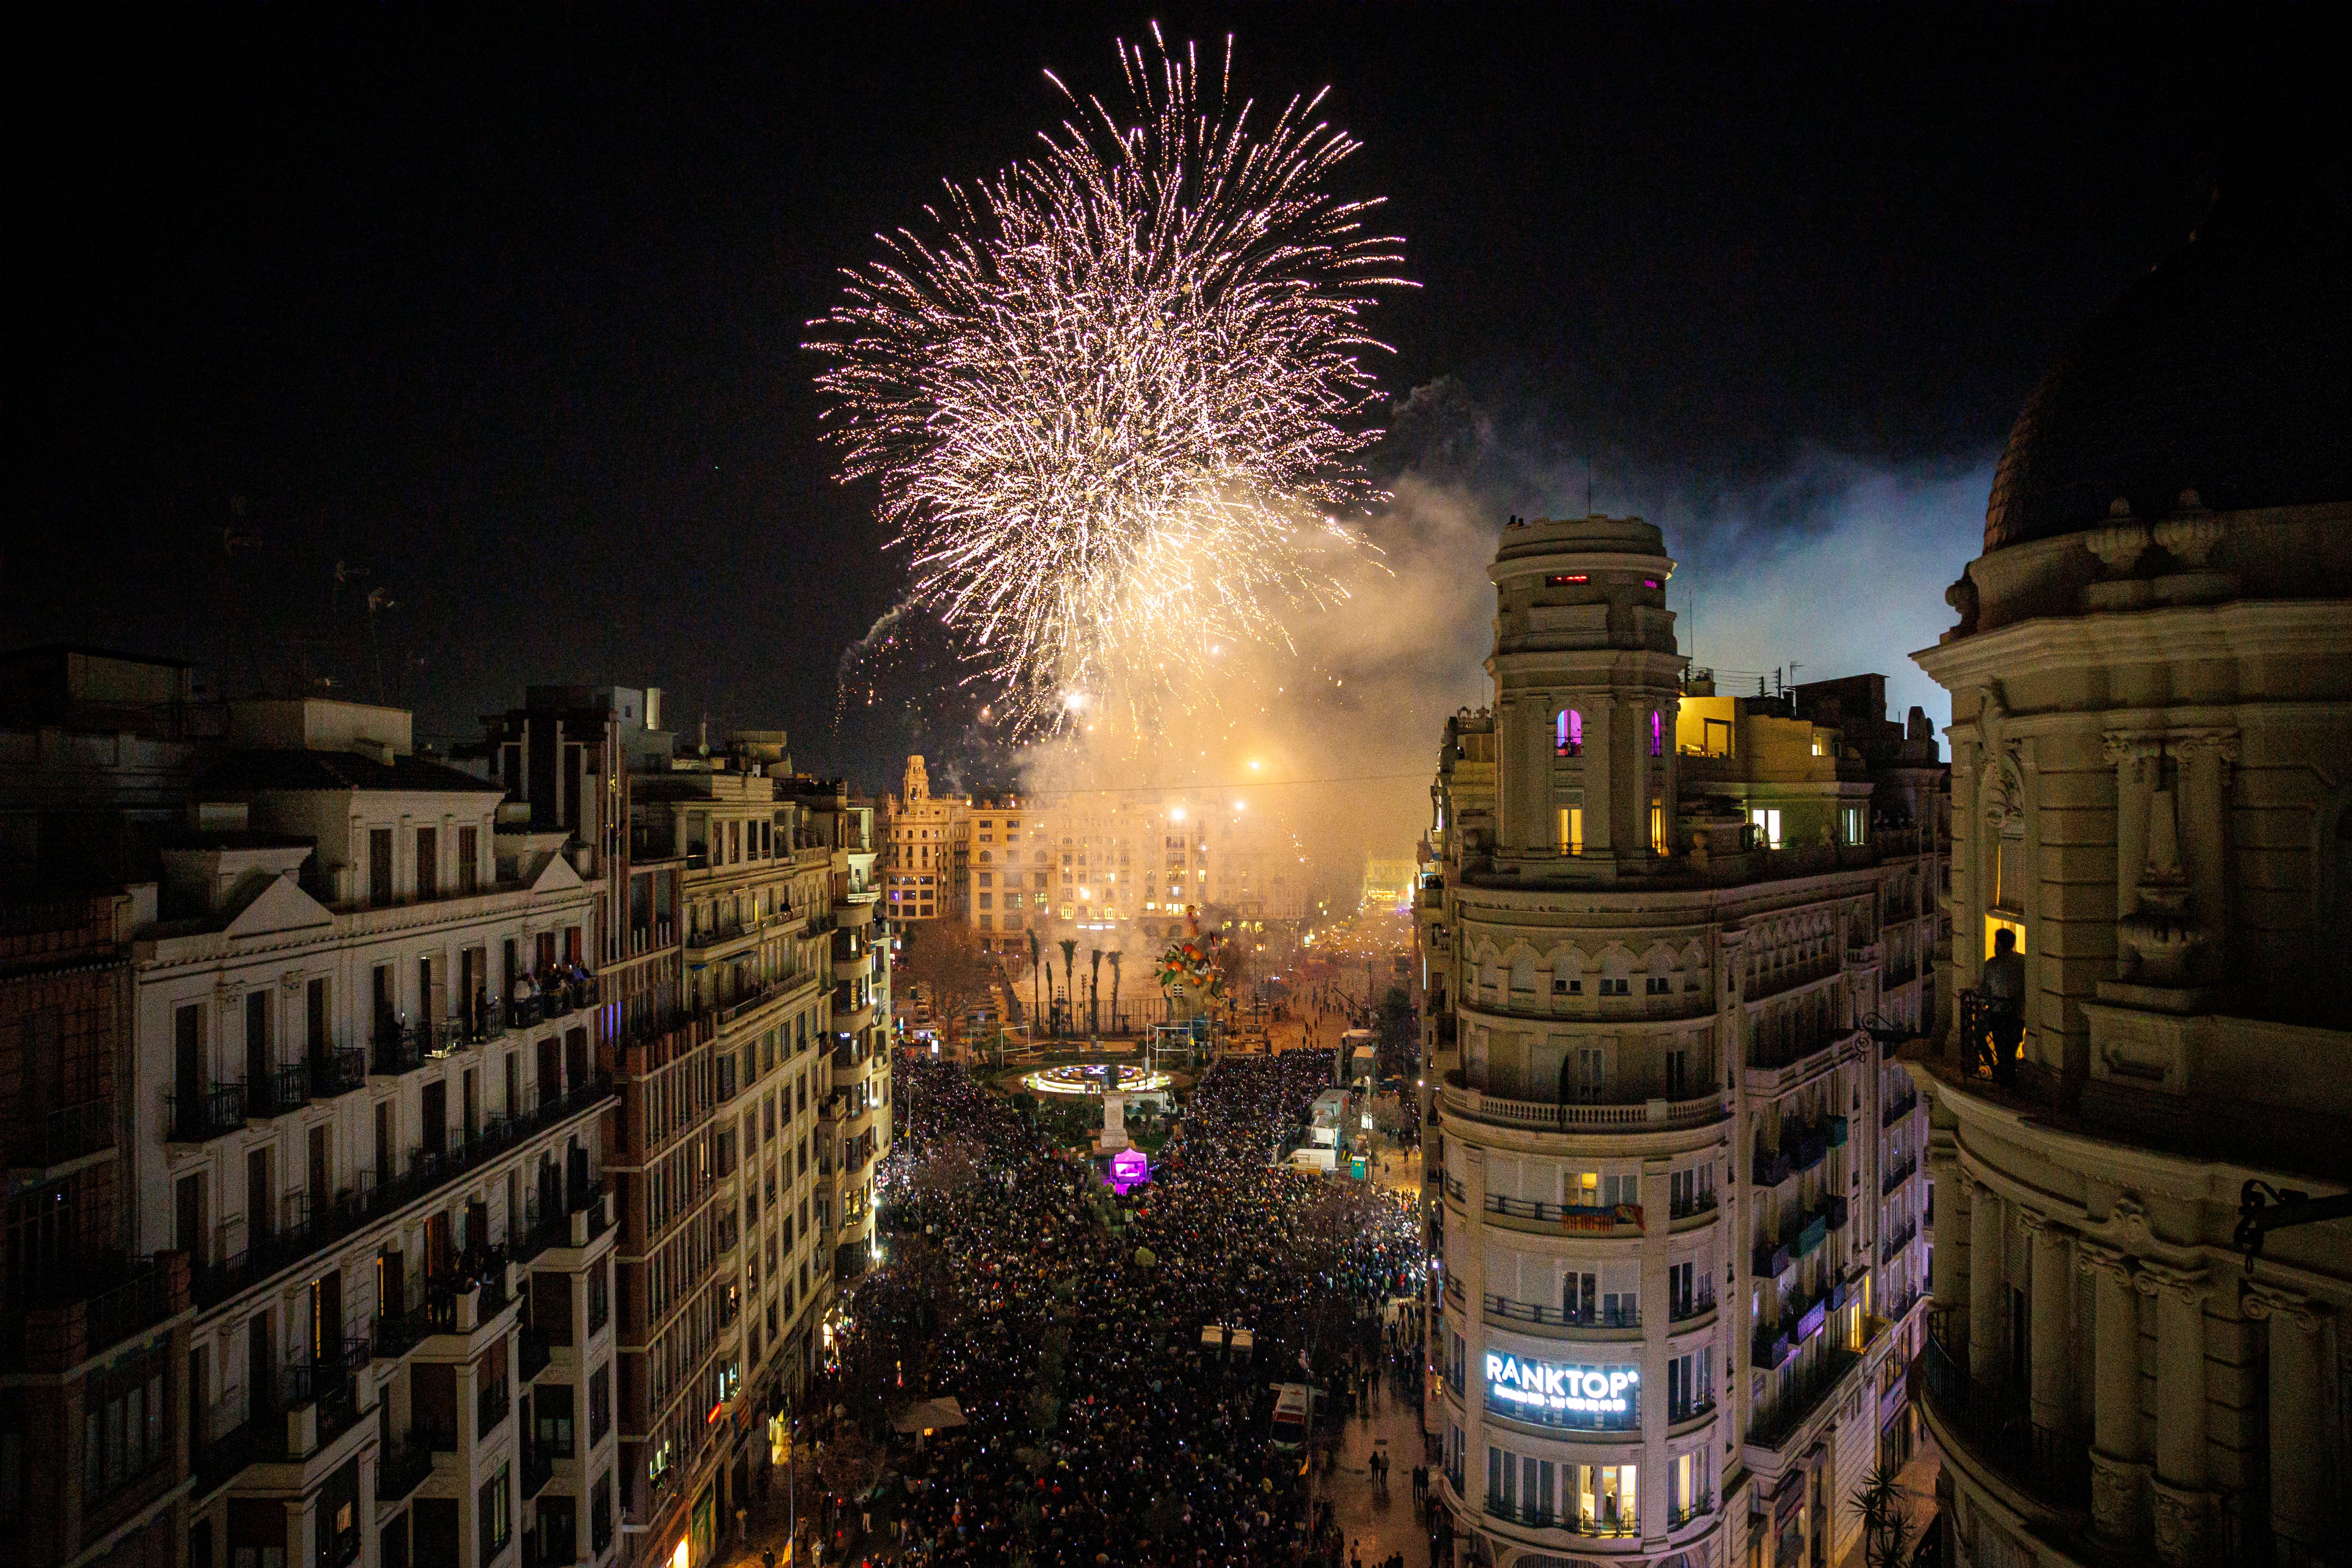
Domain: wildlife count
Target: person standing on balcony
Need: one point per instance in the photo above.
(2003, 989)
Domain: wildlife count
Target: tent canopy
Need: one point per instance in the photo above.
(929, 1415)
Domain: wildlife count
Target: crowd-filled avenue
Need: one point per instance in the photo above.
(1067, 1323)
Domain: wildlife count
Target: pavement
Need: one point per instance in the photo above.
(1375, 1522)
(1918, 1479)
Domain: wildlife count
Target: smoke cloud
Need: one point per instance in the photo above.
(1835, 565)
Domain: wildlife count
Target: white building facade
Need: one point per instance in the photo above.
(1674, 1184)
(367, 1108)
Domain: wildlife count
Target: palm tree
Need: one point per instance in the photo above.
(1094, 993)
(1036, 986)
(1886, 1538)
(1069, 960)
(1114, 991)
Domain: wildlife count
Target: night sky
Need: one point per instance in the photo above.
(505, 315)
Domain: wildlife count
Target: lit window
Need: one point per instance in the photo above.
(1568, 734)
(1572, 830)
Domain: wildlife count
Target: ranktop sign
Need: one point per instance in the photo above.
(1559, 1395)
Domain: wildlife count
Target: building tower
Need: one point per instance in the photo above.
(1669, 1192)
(2151, 717)
(1586, 680)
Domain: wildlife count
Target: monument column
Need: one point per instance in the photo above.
(2118, 1474)
(2182, 1504)
(1984, 1283)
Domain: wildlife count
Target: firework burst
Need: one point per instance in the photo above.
(1115, 396)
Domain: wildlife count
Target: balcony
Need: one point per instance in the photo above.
(1776, 981)
(1697, 1509)
(1892, 1247)
(1772, 1259)
(331, 1385)
(206, 1114)
(1995, 1421)
(1561, 1318)
(396, 1051)
(537, 1469)
(1815, 1231)
(1683, 1308)
(402, 1467)
(48, 1138)
(76, 1314)
(1768, 1348)
(1548, 1116)
(337, 1071)
(280, 1091)
(1792, 1405)
(1897, 1110)
(478, 1025)
(490, 1407)
(1693, 1206)
(1897, 1177)
(355, 1208)
(1598, 1218)
(1535, 1517)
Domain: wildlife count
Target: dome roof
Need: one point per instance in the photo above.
(2227, 370)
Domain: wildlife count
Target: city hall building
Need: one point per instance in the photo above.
(1674, 1179)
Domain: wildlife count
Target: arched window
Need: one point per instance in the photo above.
(1657, 734)
(1568, 734)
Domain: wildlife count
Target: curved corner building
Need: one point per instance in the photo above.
(1675, 1185)
(2152, 789)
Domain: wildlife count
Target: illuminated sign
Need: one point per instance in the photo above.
(1128, 1168)
(1560, 1395)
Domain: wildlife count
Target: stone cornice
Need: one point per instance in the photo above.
(2178, 634)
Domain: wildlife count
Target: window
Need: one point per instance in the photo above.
(495, 1511)
(551, 1415)
(1572, 830)
(1766, 823)
(1568, 734)
(470, 852)
(1658, 985)
(1657, 734)
(1657, 828)
(600, 1513)
(428, 862)
(379, 865)
(122, 1427)
(600, 1405)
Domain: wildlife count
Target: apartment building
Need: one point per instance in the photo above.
(365, 1109)
(1673, 1182)
(855, 1128)
(93, 1333)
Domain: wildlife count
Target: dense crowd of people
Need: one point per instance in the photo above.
(1068, 1322)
